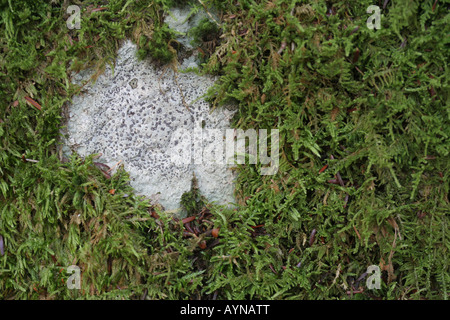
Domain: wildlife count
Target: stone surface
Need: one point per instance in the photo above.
(132, 116)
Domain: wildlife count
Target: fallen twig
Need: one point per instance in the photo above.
(209, 14)
(114, 166)
(33, 103)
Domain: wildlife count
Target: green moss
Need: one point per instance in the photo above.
(158, 47)
(206, 30)
(333, 87)
(205, 37)
(192, 201)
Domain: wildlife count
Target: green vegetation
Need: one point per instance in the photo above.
(364, 156)
(192, 201)
(205, 35)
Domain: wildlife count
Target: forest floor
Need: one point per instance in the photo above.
(358, 208)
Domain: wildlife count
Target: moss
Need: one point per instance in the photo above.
(352, 102)
(158, 46)
(205, 37)
(192, 201)
(205, 31)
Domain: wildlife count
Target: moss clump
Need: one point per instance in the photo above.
(158, 46)
(192, 201)
(205, 31)
(205, 37)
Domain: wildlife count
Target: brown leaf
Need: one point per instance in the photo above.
(188, 219)
(154, 214)
(333, 181)
(101, 166)
(339, 179)
(323, 168)
(215, 232)
(202, 244)
(421, 214)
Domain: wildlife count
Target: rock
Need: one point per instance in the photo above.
(137, 115)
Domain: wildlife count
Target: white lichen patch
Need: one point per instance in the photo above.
(131, 115)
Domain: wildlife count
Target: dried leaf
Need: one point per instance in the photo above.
(188, 219)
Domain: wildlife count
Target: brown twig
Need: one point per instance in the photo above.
(357, 233)
(323, 168)
(346, 200)
(434, 5)
(114, 166)
(272, 268)
(209, 14)
(33, 103)
(339, 179)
